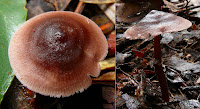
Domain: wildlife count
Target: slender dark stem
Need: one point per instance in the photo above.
(157, 49)
(159, 70)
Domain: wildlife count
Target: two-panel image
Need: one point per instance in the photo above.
(99, 54)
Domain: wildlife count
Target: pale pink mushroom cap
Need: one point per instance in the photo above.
(156, 23)
(55, 53)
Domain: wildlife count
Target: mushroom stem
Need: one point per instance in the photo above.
(80, 7)
(159, 70)
(157, 49)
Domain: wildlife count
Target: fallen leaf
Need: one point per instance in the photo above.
(108, 63)
(183, 65)
(109, 76)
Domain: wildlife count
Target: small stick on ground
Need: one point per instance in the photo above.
(190, 88)
(80, 7)
(128, 75)
(181, 92)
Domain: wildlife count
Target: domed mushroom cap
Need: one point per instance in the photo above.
(55, 53)
(156, 23)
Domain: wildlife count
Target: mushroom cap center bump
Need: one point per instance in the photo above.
(57, 44)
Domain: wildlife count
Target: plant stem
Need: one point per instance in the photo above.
(159, 70)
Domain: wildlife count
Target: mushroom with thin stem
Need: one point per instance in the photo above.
(55, 53)
(154, 24)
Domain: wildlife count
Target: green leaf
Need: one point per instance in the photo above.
(12, 14)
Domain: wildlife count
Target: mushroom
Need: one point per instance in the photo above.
(55, 53)
(154, 24)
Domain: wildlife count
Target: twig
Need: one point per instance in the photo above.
(171, 94)
(193, 44)
(80, 7)
(169, 103)
(172, 48)
(189, 88)
(55, 4)
(152, 77)
(187, 43)
(128, 75)
(186, 6)
(181, 92)
(193, 7)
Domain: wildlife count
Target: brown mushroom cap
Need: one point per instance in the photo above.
(55, 53)
(156, 23)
